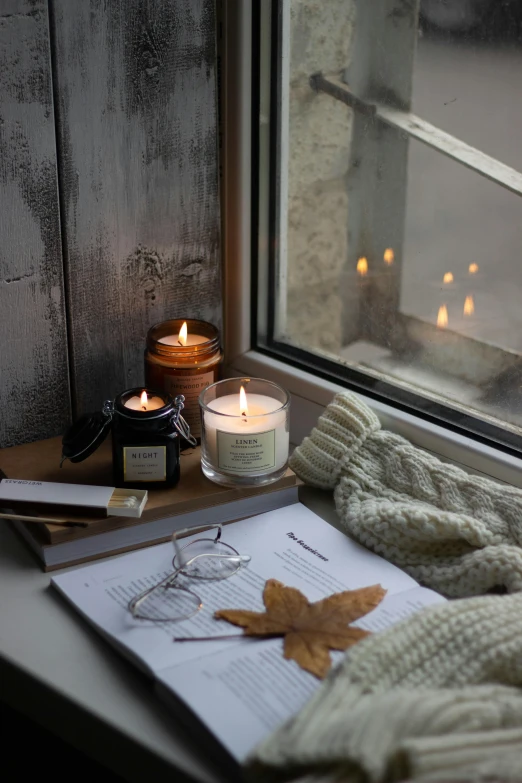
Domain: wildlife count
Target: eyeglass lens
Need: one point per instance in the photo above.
(204, 558)
(170, 602)
(198, 559)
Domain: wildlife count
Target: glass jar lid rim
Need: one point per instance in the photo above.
(284, 405)
(211, 341)
(129, 413)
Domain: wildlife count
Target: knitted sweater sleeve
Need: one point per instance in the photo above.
(434, 691)
(340, 433)
(458, 533)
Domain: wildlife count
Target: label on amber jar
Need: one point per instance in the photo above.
(239, 453)
(191, 387)
(144, 463)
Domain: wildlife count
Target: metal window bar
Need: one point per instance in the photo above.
(489, 365)
(423, 131)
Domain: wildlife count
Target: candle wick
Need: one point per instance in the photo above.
(144, 407)
(180, 343)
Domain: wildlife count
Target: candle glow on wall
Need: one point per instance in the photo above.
(362, 266)
(442, 317)
(389, 256)
(469, 306)
(473, 269)
(448, 277)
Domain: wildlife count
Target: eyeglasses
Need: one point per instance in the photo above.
(208, 559)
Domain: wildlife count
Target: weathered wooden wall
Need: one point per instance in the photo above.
(137, 130)
(34, 392)
(136, 126)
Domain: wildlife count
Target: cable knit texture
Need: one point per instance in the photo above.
(437, 697)
(457, 533)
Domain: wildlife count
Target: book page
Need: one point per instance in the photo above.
(245, 693)
(291, 544)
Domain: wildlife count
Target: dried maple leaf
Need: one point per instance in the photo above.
(309, 630)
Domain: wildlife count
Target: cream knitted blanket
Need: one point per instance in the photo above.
(459, 534)
(432, 699)
(437, 697)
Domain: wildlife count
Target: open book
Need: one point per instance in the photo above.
(241, 689)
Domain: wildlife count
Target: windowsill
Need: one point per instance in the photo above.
(311, 394)
(436, 384)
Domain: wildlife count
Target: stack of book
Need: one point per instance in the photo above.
(195, 501)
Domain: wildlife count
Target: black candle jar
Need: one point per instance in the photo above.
(145, 438)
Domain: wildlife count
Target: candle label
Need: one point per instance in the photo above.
(191, 387)
(253, 453)
(144, 463)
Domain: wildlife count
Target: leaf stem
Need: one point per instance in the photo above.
(210, 638)
(227, 636)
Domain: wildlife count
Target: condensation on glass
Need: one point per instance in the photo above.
(398, 245)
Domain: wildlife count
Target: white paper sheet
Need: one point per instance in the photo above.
(245, 693)
(240, 688)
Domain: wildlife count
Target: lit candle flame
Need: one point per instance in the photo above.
(389, 256)
(469, 306)
(243, 407)
(182, 337)
(362, 266)
(442, 317)
(143, 400)
(448, 277)
(473, 269)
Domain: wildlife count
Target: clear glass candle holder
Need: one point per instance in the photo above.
(244, 432)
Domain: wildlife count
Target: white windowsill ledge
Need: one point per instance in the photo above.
(310, 395)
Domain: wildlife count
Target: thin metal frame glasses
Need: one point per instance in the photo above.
(207, 559)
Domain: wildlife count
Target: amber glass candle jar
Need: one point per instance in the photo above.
(180, 362)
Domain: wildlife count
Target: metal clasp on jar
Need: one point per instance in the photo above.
(179, 423)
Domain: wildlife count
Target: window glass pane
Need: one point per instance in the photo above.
(462, 250)
(391, 260)
(467, 74)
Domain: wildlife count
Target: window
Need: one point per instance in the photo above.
(387, 210)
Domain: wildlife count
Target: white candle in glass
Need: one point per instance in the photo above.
(248, 437)
(183, 338)
(144, 403)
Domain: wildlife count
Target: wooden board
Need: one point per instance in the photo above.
(137, 126)
(34, 391)
(41, 462)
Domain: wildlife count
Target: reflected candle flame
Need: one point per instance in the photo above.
(182, 337)
(469, 306)
(144, 400)
(448, 277)
(362, 266)
(243, 407)
(442, 317)
(473, 269)
(389, 256)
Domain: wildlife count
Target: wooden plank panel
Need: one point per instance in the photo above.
(34, 391)
(136, 86)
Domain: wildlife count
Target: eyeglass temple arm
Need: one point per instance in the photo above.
(186, 530)
(135, 602)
